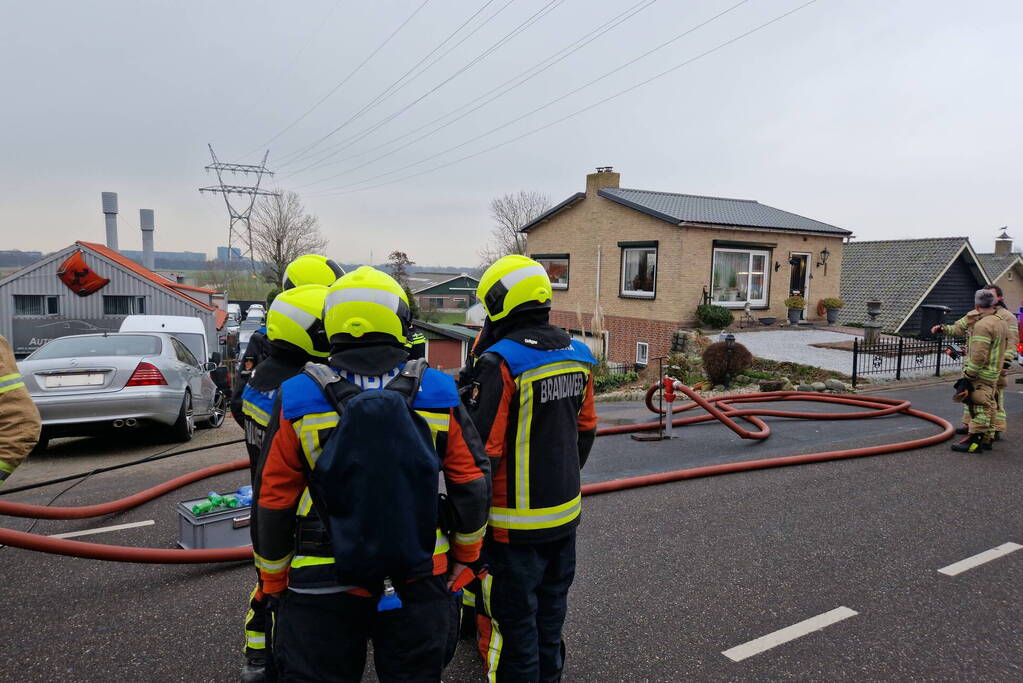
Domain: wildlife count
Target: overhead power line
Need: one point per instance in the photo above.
(342, 145)
(562, 119)
(344, 80)
(294, 156)
(522, 78)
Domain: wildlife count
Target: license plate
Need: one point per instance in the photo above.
(77, 380)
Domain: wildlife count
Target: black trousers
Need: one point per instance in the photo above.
(525, 597)
(324, 637)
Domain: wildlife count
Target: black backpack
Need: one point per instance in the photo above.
(375, 483)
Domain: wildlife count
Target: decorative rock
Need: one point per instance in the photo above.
(740, 380)
(719, 387)
(772, 385)
(805, 387)
(836, 385)
(819, 386)
(788, 386)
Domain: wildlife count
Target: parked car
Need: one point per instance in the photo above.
(255, 308)
(190, 331)
(245, 331)
(88, 383)
(234, 311)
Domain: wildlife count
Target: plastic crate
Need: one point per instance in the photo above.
(217, 529)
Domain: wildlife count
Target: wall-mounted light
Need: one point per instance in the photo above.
(777, 266)
(823, 259)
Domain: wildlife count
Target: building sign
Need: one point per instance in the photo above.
(31, 333)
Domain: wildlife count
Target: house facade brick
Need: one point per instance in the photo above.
(593, 231)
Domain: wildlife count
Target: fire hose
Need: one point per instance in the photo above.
(720, 408)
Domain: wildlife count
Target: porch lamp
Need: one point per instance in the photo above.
(823, 260)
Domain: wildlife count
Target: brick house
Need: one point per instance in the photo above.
(1005, 268)
(645, 260)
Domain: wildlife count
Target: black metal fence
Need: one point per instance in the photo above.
(900, 357)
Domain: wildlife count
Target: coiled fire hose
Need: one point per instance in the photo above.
(721, 408)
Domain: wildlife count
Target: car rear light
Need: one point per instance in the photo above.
(146, 375)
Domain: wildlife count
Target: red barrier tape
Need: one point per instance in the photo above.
(720, 408)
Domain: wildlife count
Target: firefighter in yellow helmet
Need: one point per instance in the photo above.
(294, 328)
(361, 442)
(530, 393)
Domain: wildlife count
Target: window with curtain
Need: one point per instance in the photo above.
(35, 304)
(639, 272)
(739, 276)
(556, 266)
(124, 305)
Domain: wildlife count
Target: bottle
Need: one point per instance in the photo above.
(244, 496)
(389, 600)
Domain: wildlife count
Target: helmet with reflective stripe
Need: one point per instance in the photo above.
(367, 305)
(296, 318)
(311, 269)
(513, 283)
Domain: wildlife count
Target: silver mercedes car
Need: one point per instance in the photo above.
(88, 383)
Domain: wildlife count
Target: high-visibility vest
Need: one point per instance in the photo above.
(541, 497)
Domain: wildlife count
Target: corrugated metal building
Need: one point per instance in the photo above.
(36, 305)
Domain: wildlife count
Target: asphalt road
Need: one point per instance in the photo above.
(670, 577)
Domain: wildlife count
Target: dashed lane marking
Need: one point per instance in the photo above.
(980, 558)
(789, 633)
(103, 529)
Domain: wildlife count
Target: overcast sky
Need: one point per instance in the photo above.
(893, 119)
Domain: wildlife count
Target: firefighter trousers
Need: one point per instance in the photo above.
(984, 408)
(323, 637)
(522, 608)
(999, 420)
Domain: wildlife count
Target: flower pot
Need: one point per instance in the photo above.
(832, 316)
(769, 320)
(794, 314)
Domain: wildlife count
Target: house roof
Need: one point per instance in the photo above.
(899, 273)
(445, 330)
(142, 272)
(421, 281)
(997, 264)
(690, 208)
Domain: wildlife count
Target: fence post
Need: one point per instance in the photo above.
(898, 362)
(856, 353)
(937, 365)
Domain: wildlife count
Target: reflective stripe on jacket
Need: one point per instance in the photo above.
(986, 351)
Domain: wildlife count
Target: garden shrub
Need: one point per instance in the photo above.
(717, 365)
(603, 383)
(717, 317)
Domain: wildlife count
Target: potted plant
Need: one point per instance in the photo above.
(832, 304)
(795, 304)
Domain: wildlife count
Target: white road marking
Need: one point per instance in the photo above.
(103, 529)
(755, 647)
(980, 558)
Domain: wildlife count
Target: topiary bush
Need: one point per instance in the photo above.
(717, 317)
(833, 302)
(717, 365)
(795, 302)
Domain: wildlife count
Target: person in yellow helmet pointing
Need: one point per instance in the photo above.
(294, 328)
(530, 393)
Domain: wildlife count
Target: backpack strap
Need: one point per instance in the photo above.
(408, 380)
(336, 390)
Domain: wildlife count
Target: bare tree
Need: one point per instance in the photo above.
(510, 212)
(283, 231)
(398, 262)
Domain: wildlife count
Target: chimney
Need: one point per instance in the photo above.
(604, 177)
(146, 222)
(110, 215)
(1003, 243)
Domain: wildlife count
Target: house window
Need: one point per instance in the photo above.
(740, 277)
(556, 266)
(124, 305)
(642, 353)
(36, 304)
(639, 269)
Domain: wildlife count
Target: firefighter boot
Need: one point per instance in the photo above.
(971, 444)
(254, 670)
(963, 429)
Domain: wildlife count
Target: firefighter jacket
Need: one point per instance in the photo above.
(257, 350)
(292, 549)
(961, 327)
(19, 418)
(1012, 327)
(986, 348)
(531, 396)
(258, 396)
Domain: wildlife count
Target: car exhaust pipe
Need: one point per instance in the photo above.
(130, 422)
(118, 424)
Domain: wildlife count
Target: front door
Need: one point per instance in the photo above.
(799, 281)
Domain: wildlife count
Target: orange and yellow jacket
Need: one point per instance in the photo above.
(19, 417)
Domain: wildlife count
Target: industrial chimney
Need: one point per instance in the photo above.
(110, 214)
(146, 222)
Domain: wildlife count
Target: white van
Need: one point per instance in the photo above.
(189, 331)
